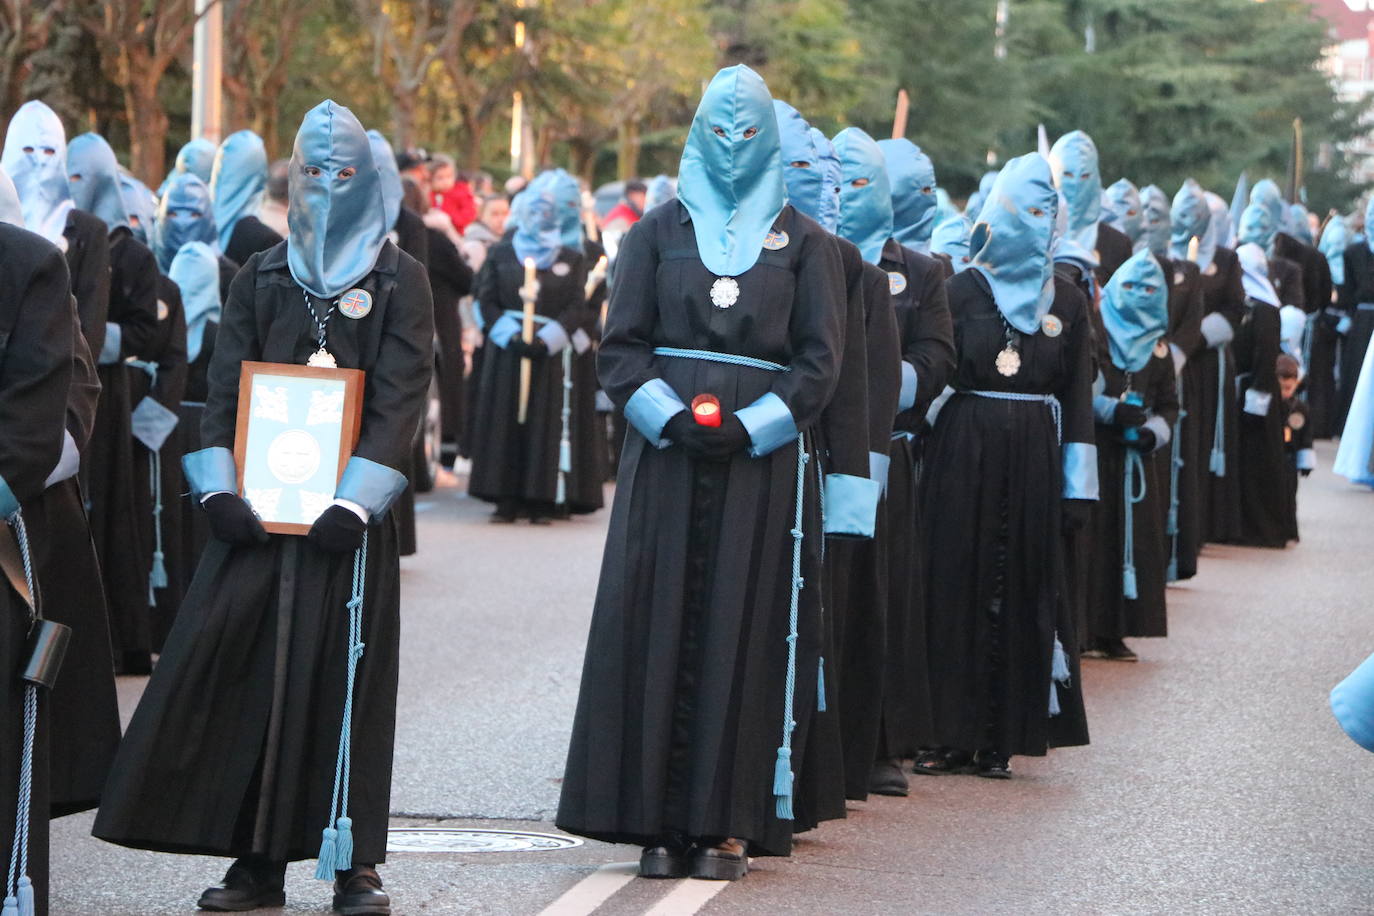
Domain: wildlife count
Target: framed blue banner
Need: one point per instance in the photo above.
(297, 428)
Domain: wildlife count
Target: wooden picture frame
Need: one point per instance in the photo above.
(297, 427)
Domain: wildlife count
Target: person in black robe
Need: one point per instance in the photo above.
(451, 279)
(516, 465)
(1297, 438)
(184, 214)
(1010, 464)
(36, 359)
(234, 746)
(1263, 461)
(1320, 382)
(1355, 302)
(109, 468)
(1136, 406)
(237, 182)
(704, 642)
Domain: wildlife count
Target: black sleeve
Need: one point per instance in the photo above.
(625, 361)
(929, 343)
(487, 292)
(90, 272)
(883, 356)
(1076, 393)
(236, 340)
(815, 332)
(1232, 303)
(171, 363)
(84, 395)
(1163, 393)
(1187, 330)
(134, 270)
(844, 420)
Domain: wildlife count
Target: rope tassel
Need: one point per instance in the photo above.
(782, 767)
(1218, 462)
(1135, 470)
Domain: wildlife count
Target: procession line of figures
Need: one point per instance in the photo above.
(815, 365)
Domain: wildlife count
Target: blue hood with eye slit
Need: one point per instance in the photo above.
(1156, 221)
(802, 170)
(392, 189)
(911, 175)
(1335, 239)
(538, 231)
(237, 181)
(732, 185)
(141, 206)
(1192, 218)
(195, 271)
(829, 215)
(39, 178)
(337, 224)
(198, 158)
(1256, 227)
(97, 189)
(866, 209)
(183, 215)
(1122, 209)
(1011, 244)
(567, 201)
(1073, 158)
(1135, 311)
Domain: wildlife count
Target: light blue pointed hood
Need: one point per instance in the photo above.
(829, 215)
(93, 178)
(865, 195)
(1254, 274)
(1220, 229)
(195, 271)
(35, 158)
(1077, 174)
(237, 181)
(911, 175)
(1266, 193)
(1013, 238)
(803, 173)
(1298, 225)
(10, 209)
(183, 215)
(538, 228)
(944, 207)
(1191, 218)
(661, 190)
(951, 238)
(1121, 209)
(1156, 221)
(389, 174)
(1256, 226)
(974, 205)
(730, 179)
(337, 224)
(567, 200)
(141, 207)
(1135, 311)
(198, 158)
(1335, 239)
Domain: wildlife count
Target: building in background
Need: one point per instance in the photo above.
(1350, 62)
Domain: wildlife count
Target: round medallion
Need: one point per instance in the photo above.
(1179, 278)
(896, 282)
(560, 269)
(724, 292)
(1008, 362)
(1297, 420)
(355, 303)
(162, 310)
(776, 240)
(1052, 325)
(1161, 348)
(294, 456)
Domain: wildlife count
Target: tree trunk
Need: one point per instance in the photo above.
(475, 131)
(148, 125)
(265, 125)
(627, 150)
(582, 158)
(403, 117)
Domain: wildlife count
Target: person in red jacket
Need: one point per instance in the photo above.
(450, 193)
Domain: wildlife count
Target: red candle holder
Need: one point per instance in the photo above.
(706, 410)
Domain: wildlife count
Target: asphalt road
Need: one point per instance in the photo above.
(1217, 780)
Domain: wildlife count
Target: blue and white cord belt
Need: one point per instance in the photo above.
(713, 356)
(1049, 400)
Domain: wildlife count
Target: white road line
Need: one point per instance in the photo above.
(592, 891)
(687, 898)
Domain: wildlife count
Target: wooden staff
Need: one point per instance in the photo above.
(528, 293)
(1192, 249)
(900, 115)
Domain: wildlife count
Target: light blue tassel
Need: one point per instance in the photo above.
(11, 907)
(782, 783)
(159, 574)
(1059, 674)
(324, 868)
(26, 905)
(820, 685)
(1135, 467)
(343, 847)
(1128, 587)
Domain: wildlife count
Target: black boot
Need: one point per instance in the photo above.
(670, 859)
(250, 883)
(727, 861)
(358, 892)
(994, 765)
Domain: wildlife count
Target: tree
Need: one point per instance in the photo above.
(259, 41)
(25, 29)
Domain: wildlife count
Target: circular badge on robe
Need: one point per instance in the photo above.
(896, 281)
(1297, 420)
(162, 310)
(724, 292)
(1052, 325)
(1179, 277)
(775, 241)
(560, 269)
(355, 303)
(1161, 348)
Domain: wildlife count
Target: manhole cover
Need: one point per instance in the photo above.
(448, 839)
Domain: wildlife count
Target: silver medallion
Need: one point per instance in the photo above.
(724, 292)
(1008, 362)
(1297, 421)
(322, 359)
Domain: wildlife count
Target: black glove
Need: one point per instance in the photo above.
(712, 443)
(535, 349)
(338, 530)
(1077, 512)
(233, 521)
(1305, 472)
(1144, 442)
(1128, 415)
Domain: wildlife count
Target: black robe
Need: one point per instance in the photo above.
(250, 236)
(411, 236)
(36, 359)
(88, 262)
(199, 770)
(227, 271)
(1355, 301)
(1262, 460)
(1110, 614)
(1297, 440)
(518, 462)
(450, 278)
(1114, 248)
(681, 712)
(108, 468)
(1322, 341)
(191, 524)
(993, 486)
(1183, 483)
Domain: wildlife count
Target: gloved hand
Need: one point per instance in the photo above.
(1127, 415)
(535, 349)
(1305, 472)
(712, 443)
(338, 530)
(1145, 440)
(233, 521)
(1077, 512)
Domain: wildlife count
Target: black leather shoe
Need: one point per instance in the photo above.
(358, 892)
(664, 862)
(887, 778)
(942, 760)
(727, 862)
(992, 765)
(249, 884)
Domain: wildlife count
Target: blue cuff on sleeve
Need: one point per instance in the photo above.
(109, 353)
(878, 463)
(651, 407)
(1163, 434)
(851, 505)
(1307, 459)
(907, 399)
(554, 337)
(1080, 470)
(477, 318)
(770, 424)
(581, 341)
(503, 330)
(1257, 402)
(9, 503)
(1104, 408)
(210, 470)
(371, 485)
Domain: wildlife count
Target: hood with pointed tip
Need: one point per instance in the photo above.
(1156, 220)
(93, 178)
(1121, 208)
(183, 215)
(238, 179)
(865, 195)
(35, 157)
(1073, 158)
(1013, 238)
(1191, 218)
(1135, 311)
(195, 271)
(911, 175)
(1335, 239)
